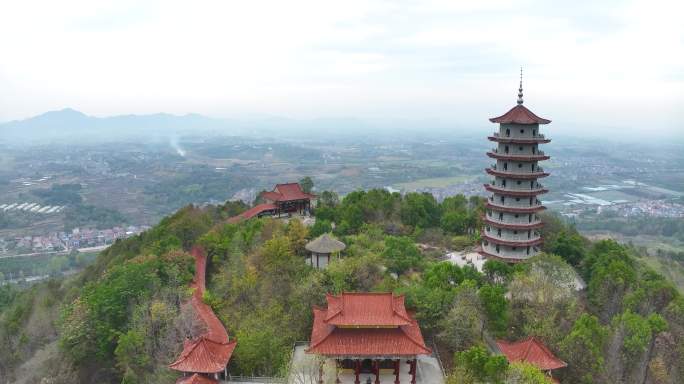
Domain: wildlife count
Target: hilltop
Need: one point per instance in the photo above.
(121, 320)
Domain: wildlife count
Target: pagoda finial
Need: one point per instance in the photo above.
(520, 92)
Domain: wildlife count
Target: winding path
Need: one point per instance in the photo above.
(207, 355)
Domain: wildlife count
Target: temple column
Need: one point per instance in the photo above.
(413, 371)
(337, 371)
(376, 364)
(397, 368)
(357, 370)
(320, 373)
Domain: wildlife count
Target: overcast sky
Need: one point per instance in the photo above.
(587, 63)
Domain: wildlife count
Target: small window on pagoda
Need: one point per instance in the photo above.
(522, 131)
(505, 166)
(488, 229)
(515, 248)
(516, 215)
(528, 250)
(515, 232)
(498, 232)
(530, 201)
(519, 165)
(486, 243)
(534, 132)
(508, 132)
(517, 199)
(519, 182)
(506, 149)
(497, 248)
(520, 148)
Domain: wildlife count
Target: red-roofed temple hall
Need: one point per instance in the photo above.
(283, 199)
(511, 224)
(367, 333)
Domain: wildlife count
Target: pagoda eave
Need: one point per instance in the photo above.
(513, 243)
(516, 175)
(509, 140)
(488, 255)
(512, 192)
(503, 208)
(499, 156)
(523, 226)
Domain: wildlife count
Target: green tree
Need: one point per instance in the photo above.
(307, 184)
(569, 246)
(464, 323)
(442, 275)
(320, 227)
(525, 373)
(454, 222)
(401, 254)
(328, 199)
(420, 210)
(583, 348)
(495, 307)
(498, 272)
(479, 366)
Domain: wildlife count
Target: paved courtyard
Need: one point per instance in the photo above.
(305, 371)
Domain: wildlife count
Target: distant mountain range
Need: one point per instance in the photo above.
(68, 125)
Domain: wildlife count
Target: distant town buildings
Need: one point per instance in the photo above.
(78, 238)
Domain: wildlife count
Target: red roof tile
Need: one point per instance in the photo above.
(531, 351)
(196, 379)
(204, 356)
(366, 309)
(366, 324)
(287, 192)
(211, 351)
(519, 115)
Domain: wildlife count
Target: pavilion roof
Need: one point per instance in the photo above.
(196, 379)
(287, 192)
(364, 324)
(530, 350)
(325, 244)
(519, 115)
(204, 356)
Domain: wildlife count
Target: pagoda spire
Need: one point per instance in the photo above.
(520, 90)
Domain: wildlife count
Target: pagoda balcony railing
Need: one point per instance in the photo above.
(496, 150)
(537, 136)
(507, 235)
(516, 191)
(513, 224)
(515, 208)
(537, 170)
(502, 155)
(513, 242)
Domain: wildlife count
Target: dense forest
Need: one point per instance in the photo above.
(121, 320)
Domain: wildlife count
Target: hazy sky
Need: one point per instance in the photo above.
(587, 63)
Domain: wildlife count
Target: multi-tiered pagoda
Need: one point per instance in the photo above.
(511, 231)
